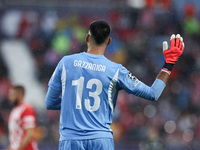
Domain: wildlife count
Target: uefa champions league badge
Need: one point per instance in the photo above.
(132, 77)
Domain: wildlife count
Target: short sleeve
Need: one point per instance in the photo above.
(28, 118)
(55, 81)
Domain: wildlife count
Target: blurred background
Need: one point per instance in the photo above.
(36, 34)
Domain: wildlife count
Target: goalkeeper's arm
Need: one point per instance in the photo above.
(53, 99)
(171, 56)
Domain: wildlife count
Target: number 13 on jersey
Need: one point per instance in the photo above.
(80, 85)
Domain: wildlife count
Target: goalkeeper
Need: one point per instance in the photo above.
(89, 84)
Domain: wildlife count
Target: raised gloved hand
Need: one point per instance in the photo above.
(176, 49)
(172, 55)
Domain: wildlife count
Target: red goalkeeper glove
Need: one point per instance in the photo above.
(172, 55)
(176, 49)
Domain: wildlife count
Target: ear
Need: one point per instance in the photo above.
(109, 41)
(87, 38)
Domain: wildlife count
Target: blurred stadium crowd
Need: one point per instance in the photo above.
(137, 32)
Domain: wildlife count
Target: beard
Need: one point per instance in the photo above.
(16, 102)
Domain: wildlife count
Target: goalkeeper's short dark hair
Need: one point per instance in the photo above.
(100, 31)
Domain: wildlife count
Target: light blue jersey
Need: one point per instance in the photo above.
(89, 85)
